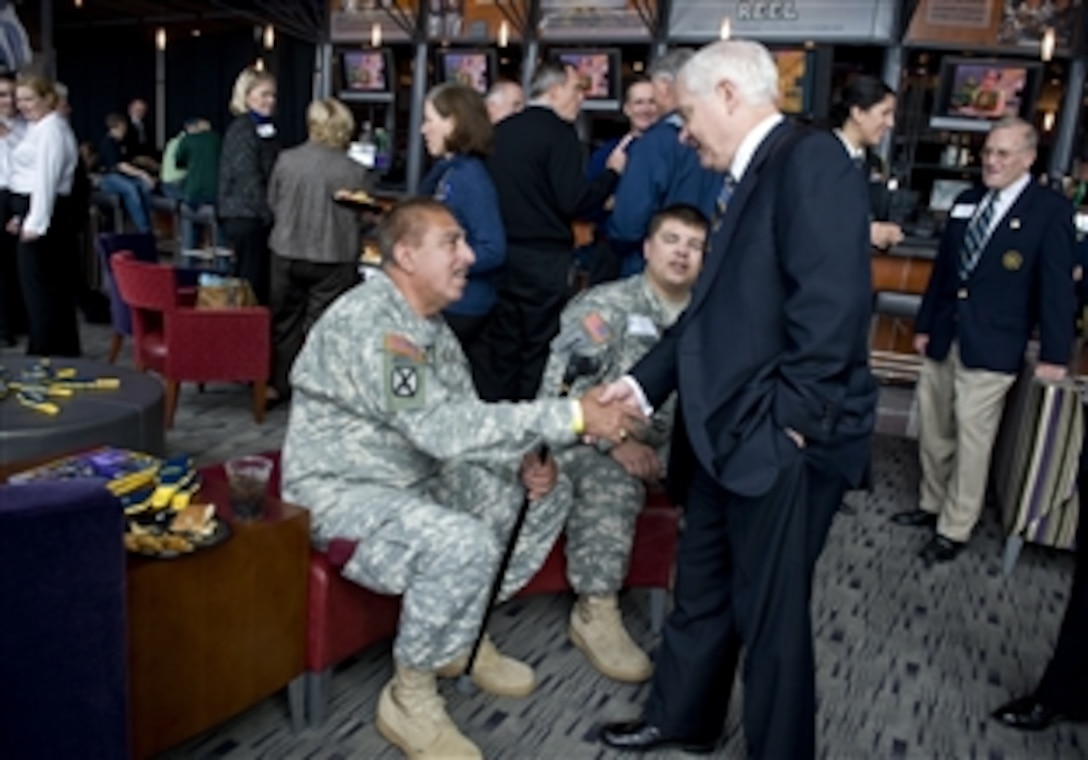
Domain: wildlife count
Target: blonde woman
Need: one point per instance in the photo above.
(315, 243)
(43, 166)
(250, 148)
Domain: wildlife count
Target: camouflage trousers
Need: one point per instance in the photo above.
(601, 526)
(439, 545)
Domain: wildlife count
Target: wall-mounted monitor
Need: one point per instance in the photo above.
(367, 75)
(473, 68)
(973, 93)
(945, 192)
(796, 75)
(600, 72)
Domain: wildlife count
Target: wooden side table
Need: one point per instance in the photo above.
(215, 632)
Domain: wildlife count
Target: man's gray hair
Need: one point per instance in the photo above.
(1027, 129)
(547, 75)
(748, 65)
(668, 66)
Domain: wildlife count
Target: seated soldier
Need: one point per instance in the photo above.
(613, 325)
(388, 444)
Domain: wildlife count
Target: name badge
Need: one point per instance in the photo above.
(963, 211)
(266, 130)
(640, 324)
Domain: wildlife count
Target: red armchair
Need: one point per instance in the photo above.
(192, 345)
(345, 618)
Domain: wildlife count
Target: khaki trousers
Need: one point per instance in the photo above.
(959, 413)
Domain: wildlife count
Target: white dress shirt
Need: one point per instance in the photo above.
(750, 144)
(856, 154)
(42, 167)
(1003, 202)
(16, 129)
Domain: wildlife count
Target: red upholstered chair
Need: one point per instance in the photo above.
(345, 618)
(192, 345)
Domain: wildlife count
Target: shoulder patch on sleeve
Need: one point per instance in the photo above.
(397, 345)
(596, 328)
(404, 374)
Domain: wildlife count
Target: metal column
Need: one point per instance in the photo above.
(415, 108)
(530, 37)
(49, 52)
(1062, 154)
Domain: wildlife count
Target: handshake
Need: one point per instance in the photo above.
(612, 411)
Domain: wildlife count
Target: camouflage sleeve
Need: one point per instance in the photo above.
(588, 330)
(412, 397)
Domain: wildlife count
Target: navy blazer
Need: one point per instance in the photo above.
(776, 335)
(1024, 277)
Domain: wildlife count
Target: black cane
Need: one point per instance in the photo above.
(577, 366)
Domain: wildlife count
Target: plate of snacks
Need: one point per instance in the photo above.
(167, 534)
(358, 199)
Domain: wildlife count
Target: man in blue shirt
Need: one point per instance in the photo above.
(661, 171)
(597, 258)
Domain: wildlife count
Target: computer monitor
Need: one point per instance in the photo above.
(474, 68)
(974, 93)
(945, 192)
(367, 75)
(600, 73)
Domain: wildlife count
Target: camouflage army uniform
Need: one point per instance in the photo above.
(617, 323)
(388, 444)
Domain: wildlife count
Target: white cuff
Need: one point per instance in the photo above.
(640, 396)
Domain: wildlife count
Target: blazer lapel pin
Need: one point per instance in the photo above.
(1014, 223)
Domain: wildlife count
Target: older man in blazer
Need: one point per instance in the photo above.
(770, 362)
(1005, 265)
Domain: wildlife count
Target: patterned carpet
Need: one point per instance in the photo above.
(911, 661)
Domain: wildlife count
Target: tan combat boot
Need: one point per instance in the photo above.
(597, 629)
(412, 716)
(494, 672)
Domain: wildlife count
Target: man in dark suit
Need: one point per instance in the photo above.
(1063, 692)
(1005, 265)
(770, 362)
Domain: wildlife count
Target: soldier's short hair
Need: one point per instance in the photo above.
(681, 212)
(406, 222)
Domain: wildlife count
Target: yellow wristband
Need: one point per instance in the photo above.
(579, 422)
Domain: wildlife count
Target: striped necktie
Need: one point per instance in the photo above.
(978, 232)
(721, 203)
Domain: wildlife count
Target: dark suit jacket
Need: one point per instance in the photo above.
(1024, 277)
(776, 333)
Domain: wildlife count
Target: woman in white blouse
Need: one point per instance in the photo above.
(42, 168)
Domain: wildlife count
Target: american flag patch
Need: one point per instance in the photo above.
(596, 328)
(398, 345)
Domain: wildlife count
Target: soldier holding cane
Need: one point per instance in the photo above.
(388, 444)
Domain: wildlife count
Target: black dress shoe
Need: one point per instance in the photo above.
(915, 518)
(940, 549)
(640, 736)
(1027, 714)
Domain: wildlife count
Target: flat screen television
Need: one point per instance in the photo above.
(796, 73)
(945, 192)
(474, 68)
(600, 72)
(973, 93)
(367, 75)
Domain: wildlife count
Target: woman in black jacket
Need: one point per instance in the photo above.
(250, 148)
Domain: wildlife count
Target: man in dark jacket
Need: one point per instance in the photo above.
(538, 170)
(1005, 265)
(775, 410)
